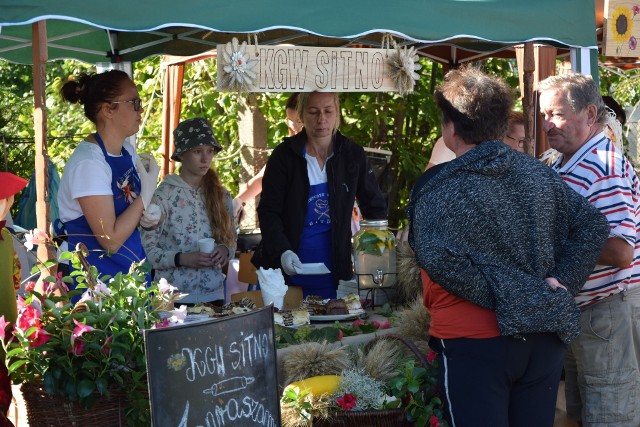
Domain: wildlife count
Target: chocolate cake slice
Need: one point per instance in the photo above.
(337, 306)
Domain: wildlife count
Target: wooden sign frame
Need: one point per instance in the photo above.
(218, 372)
(287, 68)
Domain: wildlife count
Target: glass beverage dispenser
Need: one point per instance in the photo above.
(375, 255)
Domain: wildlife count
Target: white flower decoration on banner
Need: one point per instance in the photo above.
(403, 64)
(237, 67)
(613, 130)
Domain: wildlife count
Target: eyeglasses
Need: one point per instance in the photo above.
(521, 142)
(137, 103)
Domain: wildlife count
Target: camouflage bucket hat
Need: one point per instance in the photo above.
(193, 133)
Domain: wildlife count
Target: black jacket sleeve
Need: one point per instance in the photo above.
(588, 233)
(271, 210)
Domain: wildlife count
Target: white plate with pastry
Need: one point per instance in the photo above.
(333, 317)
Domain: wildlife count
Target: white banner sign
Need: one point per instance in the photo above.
(284, 68)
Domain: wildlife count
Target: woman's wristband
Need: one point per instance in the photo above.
(176, 259)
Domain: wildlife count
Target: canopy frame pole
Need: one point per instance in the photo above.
(528, 104)
(43, 220)
(171, 106)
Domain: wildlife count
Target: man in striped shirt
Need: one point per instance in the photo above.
(602, 365)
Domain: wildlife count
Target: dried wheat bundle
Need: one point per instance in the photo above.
(408, 280)
(413, 323)
(312, 359)
(383, 361)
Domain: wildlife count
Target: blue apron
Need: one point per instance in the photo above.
(315, 244)
(125, 185)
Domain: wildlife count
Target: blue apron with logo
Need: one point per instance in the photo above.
(315, 244)
(125, 185)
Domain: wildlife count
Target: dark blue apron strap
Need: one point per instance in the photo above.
(59, 229)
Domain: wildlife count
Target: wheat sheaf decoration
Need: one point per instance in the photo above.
(403, 66)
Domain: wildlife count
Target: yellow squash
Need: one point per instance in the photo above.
(322, 384)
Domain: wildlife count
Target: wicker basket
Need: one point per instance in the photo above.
(382, 418)
(49, 410)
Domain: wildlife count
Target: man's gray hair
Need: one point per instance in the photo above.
(580, 90)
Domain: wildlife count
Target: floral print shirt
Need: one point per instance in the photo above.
(185, 222)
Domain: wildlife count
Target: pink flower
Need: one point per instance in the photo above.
(163, 324)
(3, 327)
(347, 402)
(357, 322)
(633, 43)
(340, 334)
(179, 314)
(78, 348)
(80, 329)
(59, 284)
(431, 356)
(30, 286)
(385, 324)
(433, 421)
(35, 237)
(106, 349)
(636, 10)
(376, 324)
(28, 317)
(164, 286)
(39, 337)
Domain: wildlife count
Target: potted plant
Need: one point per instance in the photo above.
(72, 356)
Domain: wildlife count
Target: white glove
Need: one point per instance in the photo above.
(148, 170)
(151, 217)
(290, 261)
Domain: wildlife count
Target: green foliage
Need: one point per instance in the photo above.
(85, 349)
(408, 126)
(289, 336)
(298, 400)
(416, 389)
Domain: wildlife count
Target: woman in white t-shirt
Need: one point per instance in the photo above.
(105, 188)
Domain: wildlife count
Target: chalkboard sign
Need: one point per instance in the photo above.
(218, 372)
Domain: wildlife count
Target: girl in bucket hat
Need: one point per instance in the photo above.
(195, 206)
(10, 185)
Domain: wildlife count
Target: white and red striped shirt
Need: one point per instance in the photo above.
(602, 174)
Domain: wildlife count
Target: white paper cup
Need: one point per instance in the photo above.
(206, 245)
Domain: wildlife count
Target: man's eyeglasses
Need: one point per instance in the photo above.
(521, 142)
(137, 103)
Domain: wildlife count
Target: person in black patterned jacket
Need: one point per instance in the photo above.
(503, 245)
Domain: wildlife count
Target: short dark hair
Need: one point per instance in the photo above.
(613, 104)
(292, 101)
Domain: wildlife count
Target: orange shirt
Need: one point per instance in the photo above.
(455, 317)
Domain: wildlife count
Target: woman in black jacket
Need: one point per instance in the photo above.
(310, 184)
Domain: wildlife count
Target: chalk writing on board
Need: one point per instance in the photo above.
(218, 373)
(229, 385)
